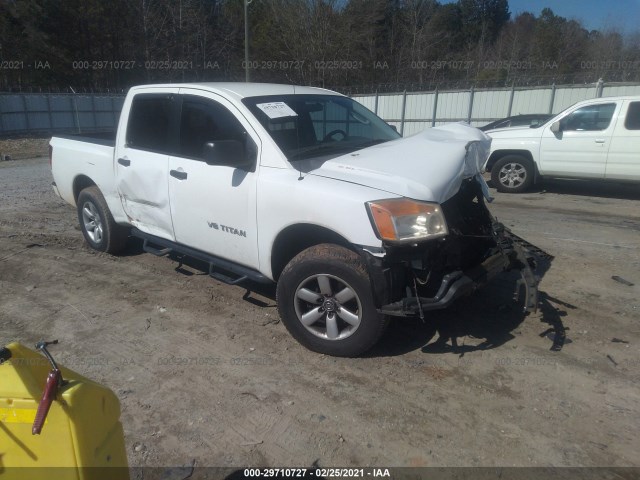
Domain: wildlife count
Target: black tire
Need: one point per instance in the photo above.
(344, 273)
(100, 231)
(512, 174)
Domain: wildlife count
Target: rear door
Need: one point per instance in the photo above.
(623, 162)
(214, 206)
(142, 161)
(580, 148)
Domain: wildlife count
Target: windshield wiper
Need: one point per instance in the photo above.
(372, 143)
(320, 149)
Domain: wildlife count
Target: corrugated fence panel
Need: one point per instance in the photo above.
(419, 106)
(531, 101)
(104, 112)
(37, 112)
(565, 97)
(13, 117)
(453, 106)
(490, 105)
(85, 112)
(411, 128)
(620, 90)
(390, 106)
(22, 113)
(419, 111)
(62, 114)
(368, 101)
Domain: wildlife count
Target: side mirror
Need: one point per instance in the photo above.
(555, 127)
(227, 153)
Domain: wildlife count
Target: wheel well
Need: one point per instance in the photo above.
(80, 183)
(498, 154)
(296, 238)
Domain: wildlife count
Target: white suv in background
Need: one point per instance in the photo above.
(593, 139)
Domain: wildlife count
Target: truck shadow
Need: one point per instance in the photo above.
(133, 248)
(486, 320)
(473, 325)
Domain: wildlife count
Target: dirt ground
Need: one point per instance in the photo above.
(22, 148)
(207, 374)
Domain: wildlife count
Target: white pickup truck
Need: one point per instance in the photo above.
(593, 139)
(302, 187)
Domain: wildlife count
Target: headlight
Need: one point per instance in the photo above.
(400, 220)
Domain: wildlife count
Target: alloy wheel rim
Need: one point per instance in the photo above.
(512, 175)
(92, 222)
(328, 307)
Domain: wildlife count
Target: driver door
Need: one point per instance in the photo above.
(213, 207)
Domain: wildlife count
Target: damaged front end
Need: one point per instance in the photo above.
(409, 280)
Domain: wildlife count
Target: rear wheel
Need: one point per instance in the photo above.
(512, 174)
(325, 301)
(100, 231)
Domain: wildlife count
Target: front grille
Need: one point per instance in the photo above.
(466, 212)
(468, 244)
(470, 240)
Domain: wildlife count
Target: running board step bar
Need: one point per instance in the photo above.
(158, 252)
(233, 275)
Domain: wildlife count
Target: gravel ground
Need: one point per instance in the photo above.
(22, 148)
(207, 375)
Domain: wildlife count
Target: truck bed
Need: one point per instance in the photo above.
(80, 159)
(108, 139)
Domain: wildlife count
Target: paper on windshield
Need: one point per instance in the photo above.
(277, 110)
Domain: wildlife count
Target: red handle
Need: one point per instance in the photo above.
(48, 396)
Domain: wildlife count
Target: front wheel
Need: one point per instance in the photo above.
(325, 300)
(512, 174)
(100, 231)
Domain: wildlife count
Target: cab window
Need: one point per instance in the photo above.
(632, 122)
(149, 125)
(591, 118)
(205, 121)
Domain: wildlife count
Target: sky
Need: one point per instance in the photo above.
(594, 14)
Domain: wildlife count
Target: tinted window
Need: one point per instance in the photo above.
(202, 122)
(150, 122)
(633, 117)
(590, 118)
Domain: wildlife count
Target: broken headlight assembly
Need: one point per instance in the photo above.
(402, 221)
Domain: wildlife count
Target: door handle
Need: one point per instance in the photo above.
(124, 162)
(599, 140)
(178, 174)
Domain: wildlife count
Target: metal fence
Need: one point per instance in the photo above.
(46, 113)
(412, 112)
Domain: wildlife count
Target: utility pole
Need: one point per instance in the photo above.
(246, 39)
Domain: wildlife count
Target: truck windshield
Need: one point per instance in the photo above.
(306, 126)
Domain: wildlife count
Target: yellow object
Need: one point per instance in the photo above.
(82, 432)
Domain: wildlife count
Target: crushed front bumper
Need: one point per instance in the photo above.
(512, 255)
(410, 280)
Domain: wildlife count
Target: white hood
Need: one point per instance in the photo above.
(428, 166)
